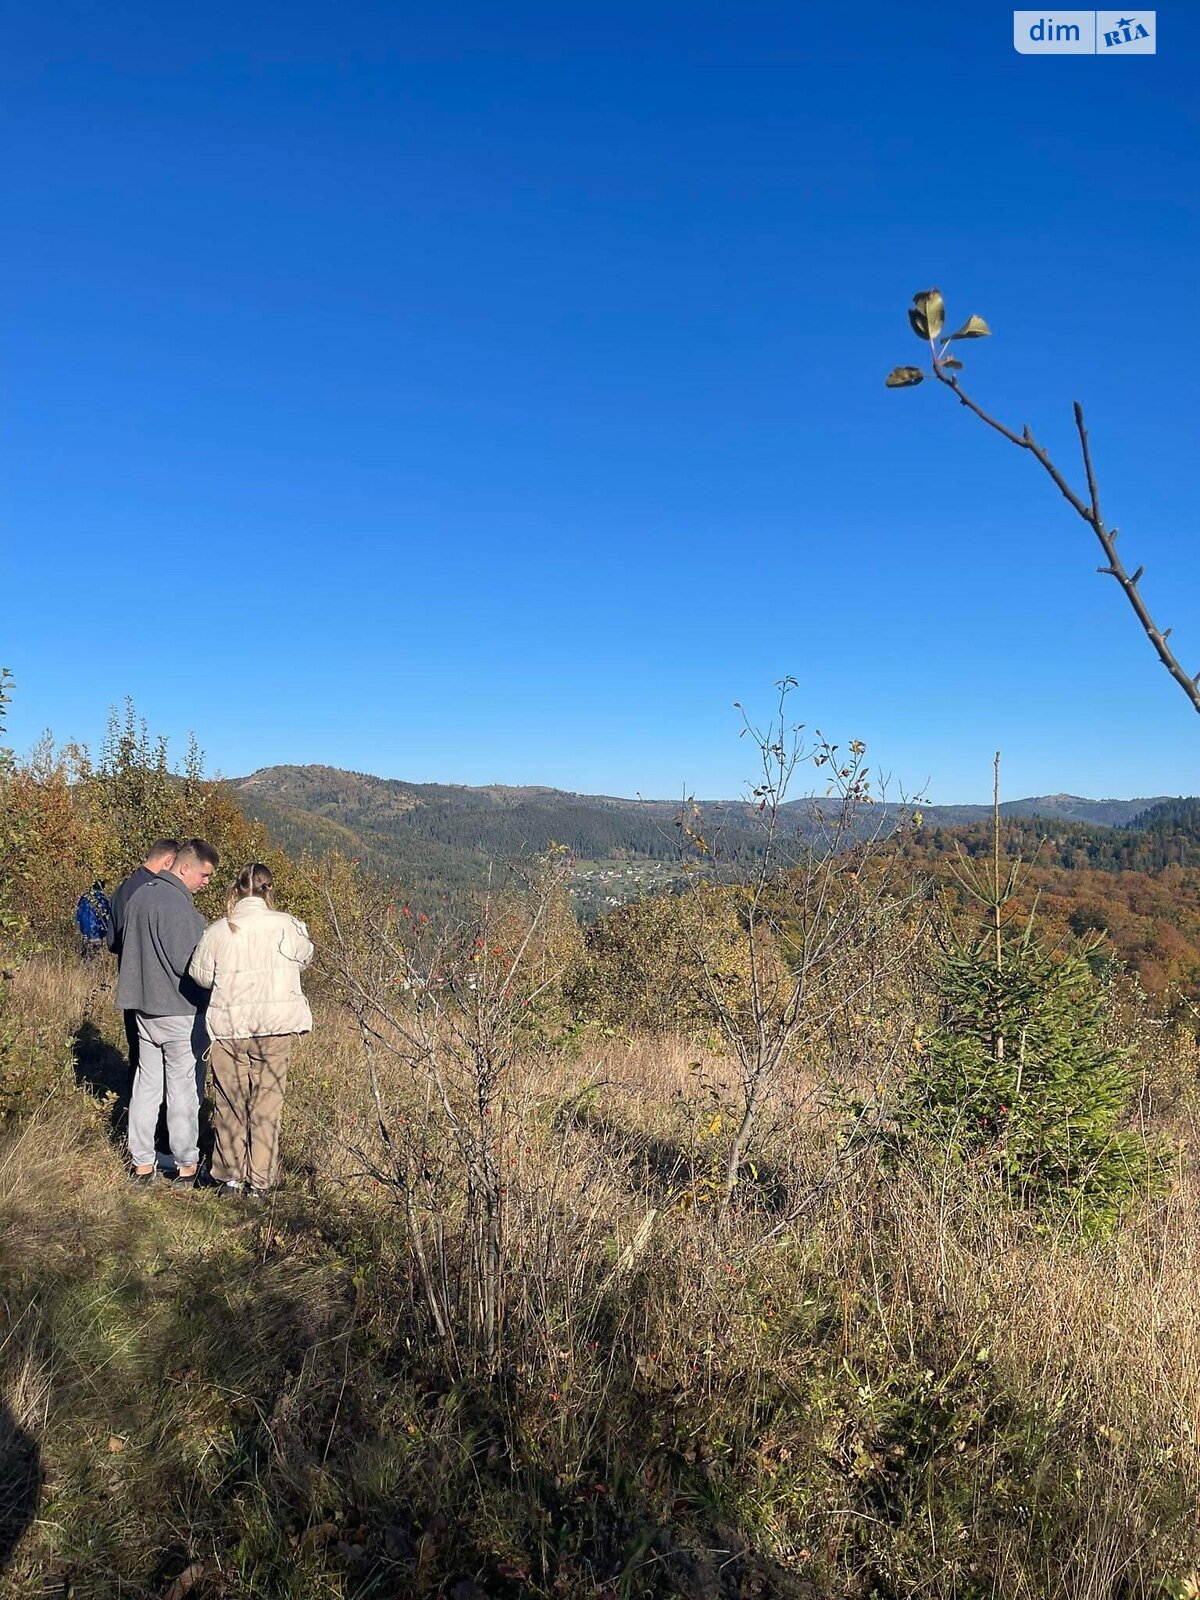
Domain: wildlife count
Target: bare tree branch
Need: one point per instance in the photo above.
(1091, 514)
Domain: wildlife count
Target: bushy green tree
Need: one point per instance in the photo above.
(1018, 1076)
(138, 792)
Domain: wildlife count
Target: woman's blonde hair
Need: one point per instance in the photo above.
(253, 879)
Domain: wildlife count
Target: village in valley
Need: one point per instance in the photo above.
(600, 886)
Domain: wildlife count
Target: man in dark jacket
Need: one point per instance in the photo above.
(159, 858)
(162, 929)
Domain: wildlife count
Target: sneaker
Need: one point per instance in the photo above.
(184, 1180)
(143, 1180)
(229, 1189)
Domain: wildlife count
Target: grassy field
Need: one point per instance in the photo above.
(863, 1385)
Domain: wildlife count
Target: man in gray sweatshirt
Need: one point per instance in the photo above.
(159, 858)
(161, 931)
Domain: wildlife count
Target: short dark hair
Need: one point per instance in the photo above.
(163, 847)
(194, 853)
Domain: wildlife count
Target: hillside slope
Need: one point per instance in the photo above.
(443, 836)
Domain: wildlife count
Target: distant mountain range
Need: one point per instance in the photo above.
(434, 836)
(1061, 807)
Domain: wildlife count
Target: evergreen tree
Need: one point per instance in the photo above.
(1018, 1076)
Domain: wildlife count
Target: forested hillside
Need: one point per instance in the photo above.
(435, 837)
(1125, 871)
(1136, 888)
(441, 835)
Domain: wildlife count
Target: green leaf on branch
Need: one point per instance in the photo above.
(918, 323)
(972, 328)
(931, 309)
(904, 377)
(952, 362)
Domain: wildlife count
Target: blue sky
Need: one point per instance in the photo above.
(496, 394)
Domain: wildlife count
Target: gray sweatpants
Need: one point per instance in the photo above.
(171, 1062)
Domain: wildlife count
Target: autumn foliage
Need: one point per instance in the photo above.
(68, 818)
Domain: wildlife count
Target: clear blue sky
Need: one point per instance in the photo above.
(488, 393)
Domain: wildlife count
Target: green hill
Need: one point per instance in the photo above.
(442, 837)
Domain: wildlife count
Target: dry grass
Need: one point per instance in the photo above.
(903, 1390)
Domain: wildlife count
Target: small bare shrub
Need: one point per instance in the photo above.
(452, 1003)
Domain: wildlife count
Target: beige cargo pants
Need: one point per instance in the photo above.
(249, 1080)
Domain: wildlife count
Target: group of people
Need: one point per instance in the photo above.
(225, 994)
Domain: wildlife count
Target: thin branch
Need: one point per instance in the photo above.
(1091, 514)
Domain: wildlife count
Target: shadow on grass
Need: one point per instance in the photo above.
(102, 1070)
(20, 1482)
(277, 1409)
(664, 1166)
(100, 1067)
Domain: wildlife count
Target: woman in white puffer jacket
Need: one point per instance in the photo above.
(251, 960)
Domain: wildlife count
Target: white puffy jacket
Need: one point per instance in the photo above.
(253, 969)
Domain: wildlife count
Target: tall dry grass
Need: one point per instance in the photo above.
(865, 1384)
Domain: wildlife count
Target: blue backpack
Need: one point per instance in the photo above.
(93, 924)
